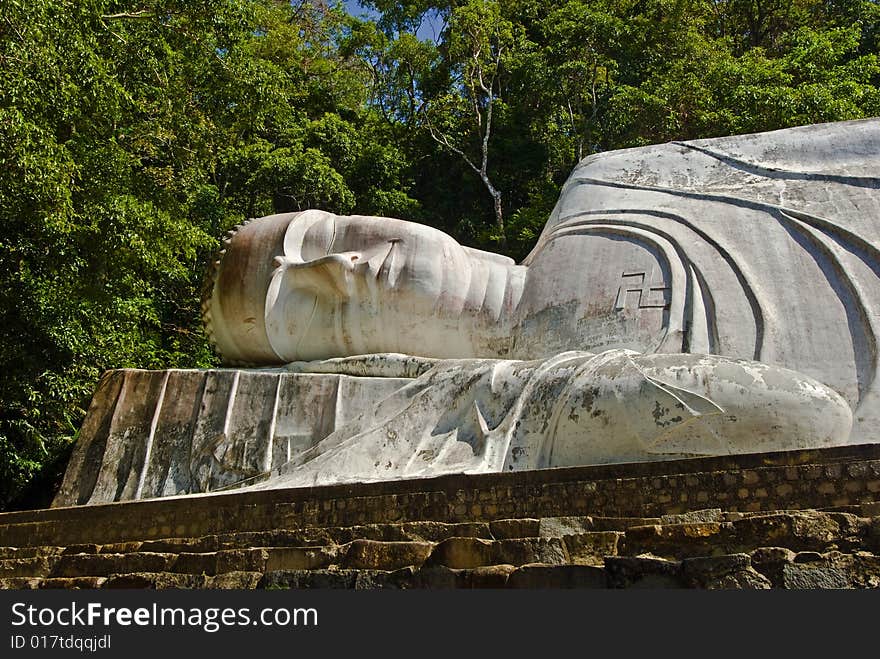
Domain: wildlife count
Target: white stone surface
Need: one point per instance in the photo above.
(575, 408)
(165, 433)
(761, 247)
(701, 298)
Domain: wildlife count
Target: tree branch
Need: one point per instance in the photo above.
(142, 13)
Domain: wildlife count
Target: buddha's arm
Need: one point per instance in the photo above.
(378, 365)
(620, 406)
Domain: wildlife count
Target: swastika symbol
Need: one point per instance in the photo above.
(650, 296)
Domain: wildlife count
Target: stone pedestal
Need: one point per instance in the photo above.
(163, 433)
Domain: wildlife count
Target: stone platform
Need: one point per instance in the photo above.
(803, 519)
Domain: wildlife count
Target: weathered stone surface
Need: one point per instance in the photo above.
(238, 580)
(769, 561)
(102, 565)
(196, 563)
(557, 527)
(120, 548)
(685, 540)
(81, 549)
(40, 566)
(242, 560)
(591, 548)
(490, 576)
(695, 516)
(441, 577)
(807, 530)
(515, 528)
(865, 570)
(621, 523)
(384, 579)
(308, 579)
(813, 576)
(155, 580)
(610, 276)
(522, 551)
(373, 555)
(377, 532)
(28, 552)
(177, 545)
(20, 583)
(73, 583)
(300, 558)
(558, 576)
(302, 516)
(276, 538)
(642, 572)
(733, 571)
(439, 531)
(229, 560)
(463, 553)
(437, 577)
(872, 534)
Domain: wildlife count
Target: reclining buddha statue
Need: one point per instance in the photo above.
(699, 298)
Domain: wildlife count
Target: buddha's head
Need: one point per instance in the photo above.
(314, 285)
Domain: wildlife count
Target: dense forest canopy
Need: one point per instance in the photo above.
(134, 133)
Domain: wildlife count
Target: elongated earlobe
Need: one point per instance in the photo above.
(328, 276)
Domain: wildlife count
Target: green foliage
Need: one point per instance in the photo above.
(132, 134)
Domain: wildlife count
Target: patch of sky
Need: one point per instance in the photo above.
(429, 30)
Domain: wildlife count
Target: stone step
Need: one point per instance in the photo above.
(552, 527)
(796, 530)
(427, 531)
(765, 567)
(698, 549)
(587, 548)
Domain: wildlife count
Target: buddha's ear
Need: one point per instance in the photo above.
(328, 277)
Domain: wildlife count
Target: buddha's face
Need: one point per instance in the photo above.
(357, 285)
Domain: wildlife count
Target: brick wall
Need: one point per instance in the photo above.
(771, 481)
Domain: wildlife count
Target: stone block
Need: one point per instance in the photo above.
(732, 571)
(21, 583)
(238, 580)
(693, 517)
(463, 553)
(591, 548)
(439, 531)
(242, 560)
(373, 555)
(814, 576)
(102, 565)
(679, 540)
(40, 566)
(489, 576)
(384, 579)
(557, 527)
(621, 523)
(73, 583)
(120, 548)
(797, 530)
(28, 552)
(558, 576)
(155, 580)
(178, 545)
(376, 532)
(195, 563)
(503, 529)
(296, 579)
(437, 577)
(522, 551)
(300, 558)
(769, 561)
(642, 572)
